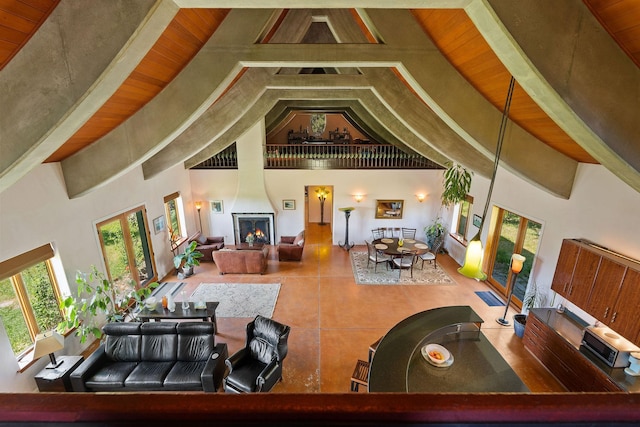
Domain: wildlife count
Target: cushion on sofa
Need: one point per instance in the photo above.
(196, 341)
(148, 375)
(122, 343)
(159, 342)
(202, 239)
(110, 376)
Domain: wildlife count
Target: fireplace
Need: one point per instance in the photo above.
(259, 225)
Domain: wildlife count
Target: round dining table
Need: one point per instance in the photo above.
(390, 246)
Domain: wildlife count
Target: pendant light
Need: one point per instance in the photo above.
(472, 266)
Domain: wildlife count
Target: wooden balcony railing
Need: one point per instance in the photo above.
(343, 156)
(326, 156)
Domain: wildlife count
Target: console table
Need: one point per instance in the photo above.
(207, 314)
(58, 379)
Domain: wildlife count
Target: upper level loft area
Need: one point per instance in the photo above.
(324, 140)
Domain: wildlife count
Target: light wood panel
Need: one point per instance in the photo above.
(462, 44)
(621, 19)
(19, 20)
(178, 44)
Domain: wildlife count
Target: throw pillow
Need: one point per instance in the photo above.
(201, 239)
(301, 243)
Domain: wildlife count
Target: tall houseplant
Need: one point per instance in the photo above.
(434, 232)
(532, 299)
(457, 182)
(188, 259)
(98, 299)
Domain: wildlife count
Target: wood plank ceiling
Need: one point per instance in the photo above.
(451, 29)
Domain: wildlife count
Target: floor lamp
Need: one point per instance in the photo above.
(198, 207)
(517, 261)
(322, 196)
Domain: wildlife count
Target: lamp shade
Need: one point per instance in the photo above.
(47, 343)
(517, 261)
(472, 267)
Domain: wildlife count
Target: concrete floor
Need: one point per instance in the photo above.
(333, 320)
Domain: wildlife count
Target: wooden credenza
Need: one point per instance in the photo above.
(602, 283)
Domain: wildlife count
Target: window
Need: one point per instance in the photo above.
(511, 233)
(173, 211)
(464, 211)
(29, 297)
(126, 249)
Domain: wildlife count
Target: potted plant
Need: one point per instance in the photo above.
(188, 259)
(531, 299)
(434, 232)
(97, 300)
(457, 182)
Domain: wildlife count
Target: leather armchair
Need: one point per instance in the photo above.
(290, 247)
(258, 366)
(207, 245)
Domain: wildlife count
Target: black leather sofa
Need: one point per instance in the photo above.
(154, 356)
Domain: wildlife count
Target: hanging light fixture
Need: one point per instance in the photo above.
(472, 266)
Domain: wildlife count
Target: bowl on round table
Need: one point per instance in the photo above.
(437, 353)
(150, 303)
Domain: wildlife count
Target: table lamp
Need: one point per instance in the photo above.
(48, 343)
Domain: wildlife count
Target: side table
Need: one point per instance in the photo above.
(57, 379)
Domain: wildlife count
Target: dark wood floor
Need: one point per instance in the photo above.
(334, 320)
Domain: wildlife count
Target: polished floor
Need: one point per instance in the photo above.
(333, 320)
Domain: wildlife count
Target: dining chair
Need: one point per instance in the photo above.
(432, 254)
(405, 261)
(376, 256)
(408, 233)
(378, 233)
(393, 232)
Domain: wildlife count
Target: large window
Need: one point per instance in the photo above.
(511, 233)
(464, 211)
(173, 211)
(29, 297)
(126, 249)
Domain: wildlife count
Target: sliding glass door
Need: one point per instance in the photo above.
(511, 233)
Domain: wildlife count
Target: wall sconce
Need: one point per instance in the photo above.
(358, 197)
(198, 207)
(421, 197)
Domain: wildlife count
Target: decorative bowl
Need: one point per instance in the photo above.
(437, 353)
(150, 303)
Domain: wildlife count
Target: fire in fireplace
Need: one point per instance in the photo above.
(258, 225)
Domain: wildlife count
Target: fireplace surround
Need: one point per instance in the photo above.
(260, 225)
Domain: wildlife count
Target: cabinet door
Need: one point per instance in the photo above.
(583, 277)
(564, 269)
(605, 290)
(625, 319)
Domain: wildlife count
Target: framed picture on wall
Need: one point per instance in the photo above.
(391, 209)
(159, 224)
(216, 207)
(289, 205)
(477, 220)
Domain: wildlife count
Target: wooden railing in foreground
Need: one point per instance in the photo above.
(354, 409)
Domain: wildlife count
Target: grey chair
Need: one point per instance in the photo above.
(432, 255)
(377, 233)
(405, 261)
(408, 233)
(376, 256)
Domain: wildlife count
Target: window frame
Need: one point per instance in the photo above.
(12, 269)
(180, 236)
(469, 200)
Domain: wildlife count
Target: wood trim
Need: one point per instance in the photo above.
(23, 261)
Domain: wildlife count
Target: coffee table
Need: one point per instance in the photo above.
(246, 247)
(206, 314)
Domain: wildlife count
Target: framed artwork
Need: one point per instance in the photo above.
(159, 224)
(216, 207)
(289, 205)
(389, 209)
(477, 220)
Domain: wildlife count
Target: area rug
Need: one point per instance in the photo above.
(490, 298)
(426, 276)
(239, 299)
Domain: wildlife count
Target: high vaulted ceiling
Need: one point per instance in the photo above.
(107, 86)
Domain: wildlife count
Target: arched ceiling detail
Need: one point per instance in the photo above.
(387, 69)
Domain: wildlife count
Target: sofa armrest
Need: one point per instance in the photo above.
(213, 371)
(216, 239)
(87, 369)
(287, 239)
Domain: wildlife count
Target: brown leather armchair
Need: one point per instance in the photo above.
(206, 245)
(290, 247)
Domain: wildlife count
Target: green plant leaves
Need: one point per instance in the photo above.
(457, 182)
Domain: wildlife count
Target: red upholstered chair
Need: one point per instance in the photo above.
(207, 245)
(290, 247)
